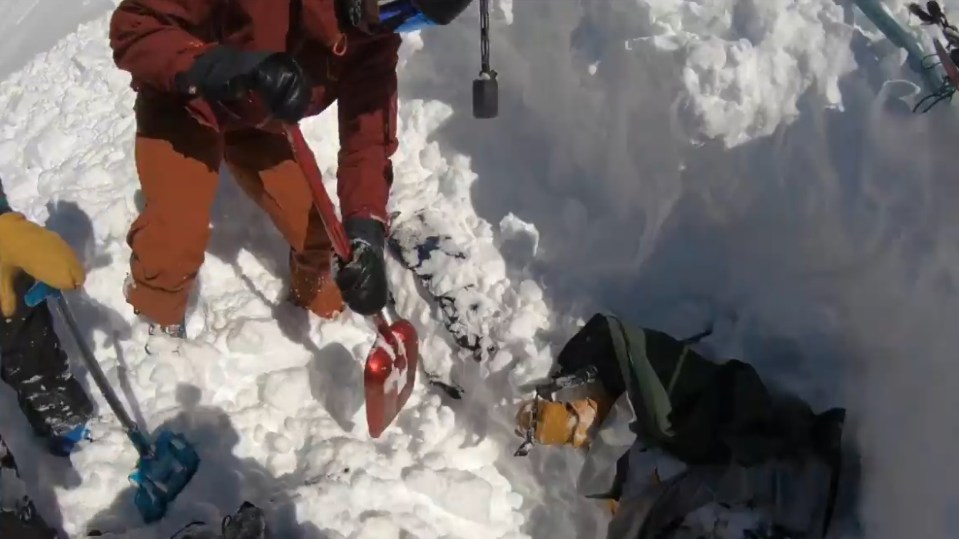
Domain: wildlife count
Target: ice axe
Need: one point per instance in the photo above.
(390, 371)
(167, 463)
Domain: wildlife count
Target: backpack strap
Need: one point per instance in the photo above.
(646, 390)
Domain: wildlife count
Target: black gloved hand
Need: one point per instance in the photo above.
(226, 74)
(362, 281)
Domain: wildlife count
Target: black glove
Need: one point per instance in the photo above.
(442, 12)
(362, 281)
(363, 15)
(227, 74)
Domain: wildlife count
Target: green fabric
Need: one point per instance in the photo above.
(653, 403)
(4, 205)
(696, 409)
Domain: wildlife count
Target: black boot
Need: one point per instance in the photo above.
(249, 522)
(18, 516)
(36, 367)
(827, 433)
(827, 443)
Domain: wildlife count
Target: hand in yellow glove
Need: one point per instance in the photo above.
(41, 253)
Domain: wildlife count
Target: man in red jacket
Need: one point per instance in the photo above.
(193, 64)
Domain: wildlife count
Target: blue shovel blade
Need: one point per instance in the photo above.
(39, 293)
(162, 475)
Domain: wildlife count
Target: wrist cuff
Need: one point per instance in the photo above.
(372, 231)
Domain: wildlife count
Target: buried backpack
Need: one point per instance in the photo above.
(739, 442)
(700, 411)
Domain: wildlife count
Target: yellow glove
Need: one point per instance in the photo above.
(565, 423)
(558, 423)
(41, 253)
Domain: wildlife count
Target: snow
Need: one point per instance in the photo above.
(675, 162)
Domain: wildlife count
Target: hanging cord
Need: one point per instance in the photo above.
(485, 68)
(930, 61)
(944, 94)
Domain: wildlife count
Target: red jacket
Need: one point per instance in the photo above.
(154, 40)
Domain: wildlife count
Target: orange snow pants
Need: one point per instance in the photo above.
(178, 161)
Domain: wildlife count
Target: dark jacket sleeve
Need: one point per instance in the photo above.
(154, 40)
(367, 126)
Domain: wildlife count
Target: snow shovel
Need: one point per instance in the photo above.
(167, 464)
(390, 371)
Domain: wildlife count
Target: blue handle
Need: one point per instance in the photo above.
(897, 34)
(39, 293)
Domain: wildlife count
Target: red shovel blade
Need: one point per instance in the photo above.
(390, 374)
(947, 64)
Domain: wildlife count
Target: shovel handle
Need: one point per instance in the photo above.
(334, 229)
(307, 161)
(40, 292)
(383, 328)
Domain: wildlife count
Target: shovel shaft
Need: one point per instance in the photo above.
(307, 161)
(341, 244)
(98, 376)
(382, 323)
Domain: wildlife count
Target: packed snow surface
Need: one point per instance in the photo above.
(676, 162)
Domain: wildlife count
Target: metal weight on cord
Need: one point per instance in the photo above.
(485, 87)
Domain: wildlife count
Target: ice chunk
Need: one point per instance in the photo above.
(286, 390)
(461, 493)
